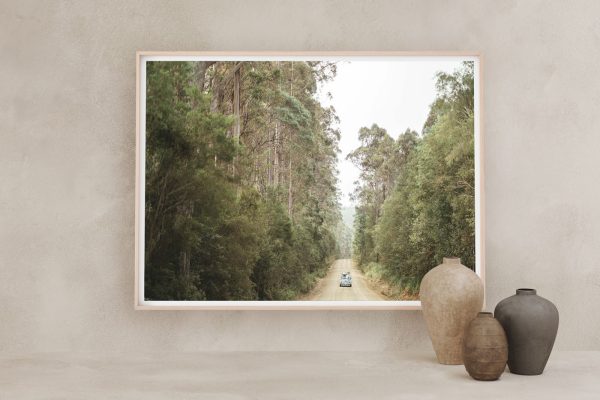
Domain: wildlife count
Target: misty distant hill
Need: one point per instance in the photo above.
(348, 217)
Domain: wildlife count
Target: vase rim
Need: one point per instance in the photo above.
(451, 260)
(526, 291)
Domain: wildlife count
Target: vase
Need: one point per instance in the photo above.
(530, 323)
(485, 350)
(451, 296)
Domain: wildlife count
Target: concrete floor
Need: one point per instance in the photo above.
(302, 375)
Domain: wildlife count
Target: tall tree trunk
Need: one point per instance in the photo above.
(202, 67)
(236, 111)
(277, 155)
(216, 98)
(269, 161)
(290, 198)
(215, 101)
(187, 209)
(292, 81)
(236, 105)
(185, 255)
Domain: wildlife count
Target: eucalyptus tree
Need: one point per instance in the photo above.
(241, 198)
(416, 195)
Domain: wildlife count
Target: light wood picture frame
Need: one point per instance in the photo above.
(229, 117)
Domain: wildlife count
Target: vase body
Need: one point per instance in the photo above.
(451, 296)
(485, 349)
(530, 323)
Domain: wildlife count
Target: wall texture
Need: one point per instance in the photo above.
(67, 149)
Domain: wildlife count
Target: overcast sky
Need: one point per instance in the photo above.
(393, 94)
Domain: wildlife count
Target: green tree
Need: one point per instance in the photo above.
(241, 199)
(430, 213)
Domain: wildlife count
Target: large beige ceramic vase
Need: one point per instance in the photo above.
(451, 296)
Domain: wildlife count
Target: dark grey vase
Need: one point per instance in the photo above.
(530, 323)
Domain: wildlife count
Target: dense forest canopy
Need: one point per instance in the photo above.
(416, 194)
(241, 198)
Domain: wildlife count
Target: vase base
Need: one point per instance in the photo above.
(450, 360)
(526, 373)
(484, 379)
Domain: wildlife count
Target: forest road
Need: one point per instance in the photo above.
(328, 288)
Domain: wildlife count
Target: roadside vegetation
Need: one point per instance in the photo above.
(416, 194)
(241, 198)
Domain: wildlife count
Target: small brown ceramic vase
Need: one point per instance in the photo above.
(451, 296)
(485, 349)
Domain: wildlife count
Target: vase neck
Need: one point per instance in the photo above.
(451, 260)
(526, 292)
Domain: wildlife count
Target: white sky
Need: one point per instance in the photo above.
(393, 94)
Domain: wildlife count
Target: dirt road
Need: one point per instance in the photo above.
(329, 287)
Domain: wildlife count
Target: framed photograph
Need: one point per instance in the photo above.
(312, 180)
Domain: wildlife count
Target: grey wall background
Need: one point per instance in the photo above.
(67, 150)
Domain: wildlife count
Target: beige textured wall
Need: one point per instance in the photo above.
(67, 141)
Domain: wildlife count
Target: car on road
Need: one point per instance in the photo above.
(346, 280)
